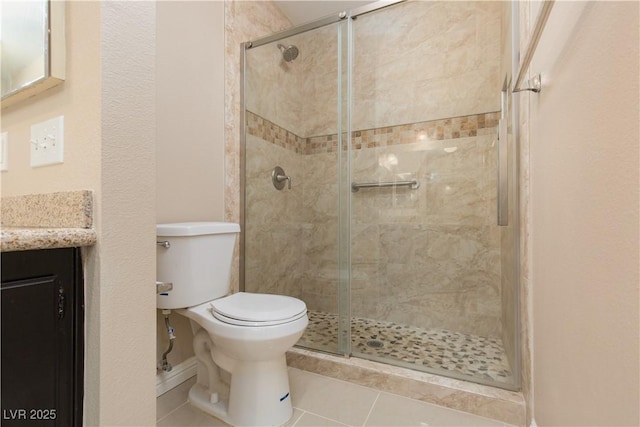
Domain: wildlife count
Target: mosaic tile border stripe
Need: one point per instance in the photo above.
(271, 132)
(443, 129)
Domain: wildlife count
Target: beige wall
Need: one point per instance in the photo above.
(198, 86)
(127, 265)
(584, 217)
(190, 129)
(190, 109)
(78, 100)
(108, 104)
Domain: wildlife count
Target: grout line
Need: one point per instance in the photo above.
(298, 419)
(326, 377)
(320, 416)
(371, 409)
(172, 411)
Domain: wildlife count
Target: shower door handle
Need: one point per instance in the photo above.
(503, 174)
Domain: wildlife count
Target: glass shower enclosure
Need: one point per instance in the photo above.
(373, 176)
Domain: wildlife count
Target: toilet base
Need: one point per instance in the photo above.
(258, 395)
(199, 397)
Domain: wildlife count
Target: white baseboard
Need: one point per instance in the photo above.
(166, 381)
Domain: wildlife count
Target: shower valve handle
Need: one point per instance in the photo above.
(282, 178)
(278, 177)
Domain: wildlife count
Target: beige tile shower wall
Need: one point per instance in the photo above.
(274, 89)
(244, 20)
(290, 245)
(274, 220)
(447, 66)
(443, 61)
(277, 222)
(435, 251)
(320, 204)
(300, 95)
(319, 56)
(427, 257)
(270, 132)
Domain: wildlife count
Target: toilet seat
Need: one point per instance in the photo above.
(252, 310)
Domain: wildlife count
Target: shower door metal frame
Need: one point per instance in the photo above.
(344, 198)
(515, 176)
(331, 19)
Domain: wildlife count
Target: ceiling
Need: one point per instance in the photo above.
(303, 11)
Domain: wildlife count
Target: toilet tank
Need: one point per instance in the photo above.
(196, 258)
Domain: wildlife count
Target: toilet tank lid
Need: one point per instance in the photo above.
(196, 228)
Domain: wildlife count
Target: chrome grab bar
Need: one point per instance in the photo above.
(414, 184)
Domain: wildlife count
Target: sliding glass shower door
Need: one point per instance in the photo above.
(370, 185)
(295, 164)
(426, 249)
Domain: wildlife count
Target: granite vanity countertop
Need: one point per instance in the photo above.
(23, 239)
(47, 221)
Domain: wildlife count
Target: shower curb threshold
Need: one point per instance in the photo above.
(486, 401)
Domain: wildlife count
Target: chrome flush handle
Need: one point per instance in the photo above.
(162, 287)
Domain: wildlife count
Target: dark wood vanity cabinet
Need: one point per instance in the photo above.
(42, 338)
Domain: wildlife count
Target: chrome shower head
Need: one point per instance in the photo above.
(289, 53)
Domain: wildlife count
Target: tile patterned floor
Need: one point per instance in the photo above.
(323, 401)
(478, 357)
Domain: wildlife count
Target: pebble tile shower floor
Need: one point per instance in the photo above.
(479, 357)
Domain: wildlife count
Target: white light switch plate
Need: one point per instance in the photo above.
(47, 142)
(4, 151)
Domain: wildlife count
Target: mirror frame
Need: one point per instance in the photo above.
(55, 57)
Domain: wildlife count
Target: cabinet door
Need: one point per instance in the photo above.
(40, 339)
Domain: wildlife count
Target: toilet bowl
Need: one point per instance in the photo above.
(240, 340)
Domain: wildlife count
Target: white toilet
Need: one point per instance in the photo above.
(240, 340)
